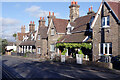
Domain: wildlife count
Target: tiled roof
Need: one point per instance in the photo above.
(80, 23)
(76, 38)
(20, 36)
(43, 31)
(60, 25)
(28, 43)
(115, 7)
(11, 43)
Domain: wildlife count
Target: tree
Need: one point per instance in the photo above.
(14, 35)
(0, 45)
(4, 44)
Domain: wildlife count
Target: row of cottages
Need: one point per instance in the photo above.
(43, 40)
(101, 29)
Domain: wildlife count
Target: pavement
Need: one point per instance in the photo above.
(26, 68)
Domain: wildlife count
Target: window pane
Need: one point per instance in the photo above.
(38, 50)
(52, 47)
(103, 21)
(52, 31)
(105, 48)
(110, 48)
(38, 37)
(101, 48)
(108, 20)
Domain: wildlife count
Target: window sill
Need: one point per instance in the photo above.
(105, 54)
(105, 27)
(52, 51)
(52, 35)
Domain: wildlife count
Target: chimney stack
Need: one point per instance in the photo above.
(74, 10)
(50, 17)
(23, 29)
(31, 26)
(90, 11)
(42, 21)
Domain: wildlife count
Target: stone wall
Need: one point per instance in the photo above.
(52, 39)
(44, 47)
(110, 34)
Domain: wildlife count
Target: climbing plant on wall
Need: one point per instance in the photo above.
(74, 45)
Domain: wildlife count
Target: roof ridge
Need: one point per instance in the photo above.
(61, 19)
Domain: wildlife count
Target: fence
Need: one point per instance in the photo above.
(31, 55)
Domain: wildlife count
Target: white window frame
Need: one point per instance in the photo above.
(39, 36)
(52, 31)
(52, 46)
(69, 30)
(106, 19)
(39, 50)
(104, 45)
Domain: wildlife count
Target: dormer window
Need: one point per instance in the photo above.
(52, 32)
(106, 21)
(68, 30)
(38, 36)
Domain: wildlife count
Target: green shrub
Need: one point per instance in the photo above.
(73, 55)
(80, 52)
(63, 53)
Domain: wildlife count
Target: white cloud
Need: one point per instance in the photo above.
(36, 11)
(9, 27)
(32, 9)
(8, 21)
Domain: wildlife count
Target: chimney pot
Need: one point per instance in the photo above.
(40, 18)
(53, 13)
(91, 8)
(76, 2)
(49, 13)
(33, 22)
(73, 2)
(43, 18)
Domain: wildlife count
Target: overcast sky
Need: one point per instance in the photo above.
(16, 14)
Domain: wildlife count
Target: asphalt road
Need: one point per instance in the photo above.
(14, 67)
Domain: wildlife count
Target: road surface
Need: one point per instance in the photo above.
(15, 67)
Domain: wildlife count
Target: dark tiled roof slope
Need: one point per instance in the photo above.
(80, 23)
(60, 25)
(11, 43)
(115, 7)
(43, 31)
(76, 38)
(20, 36)
(28, 43)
